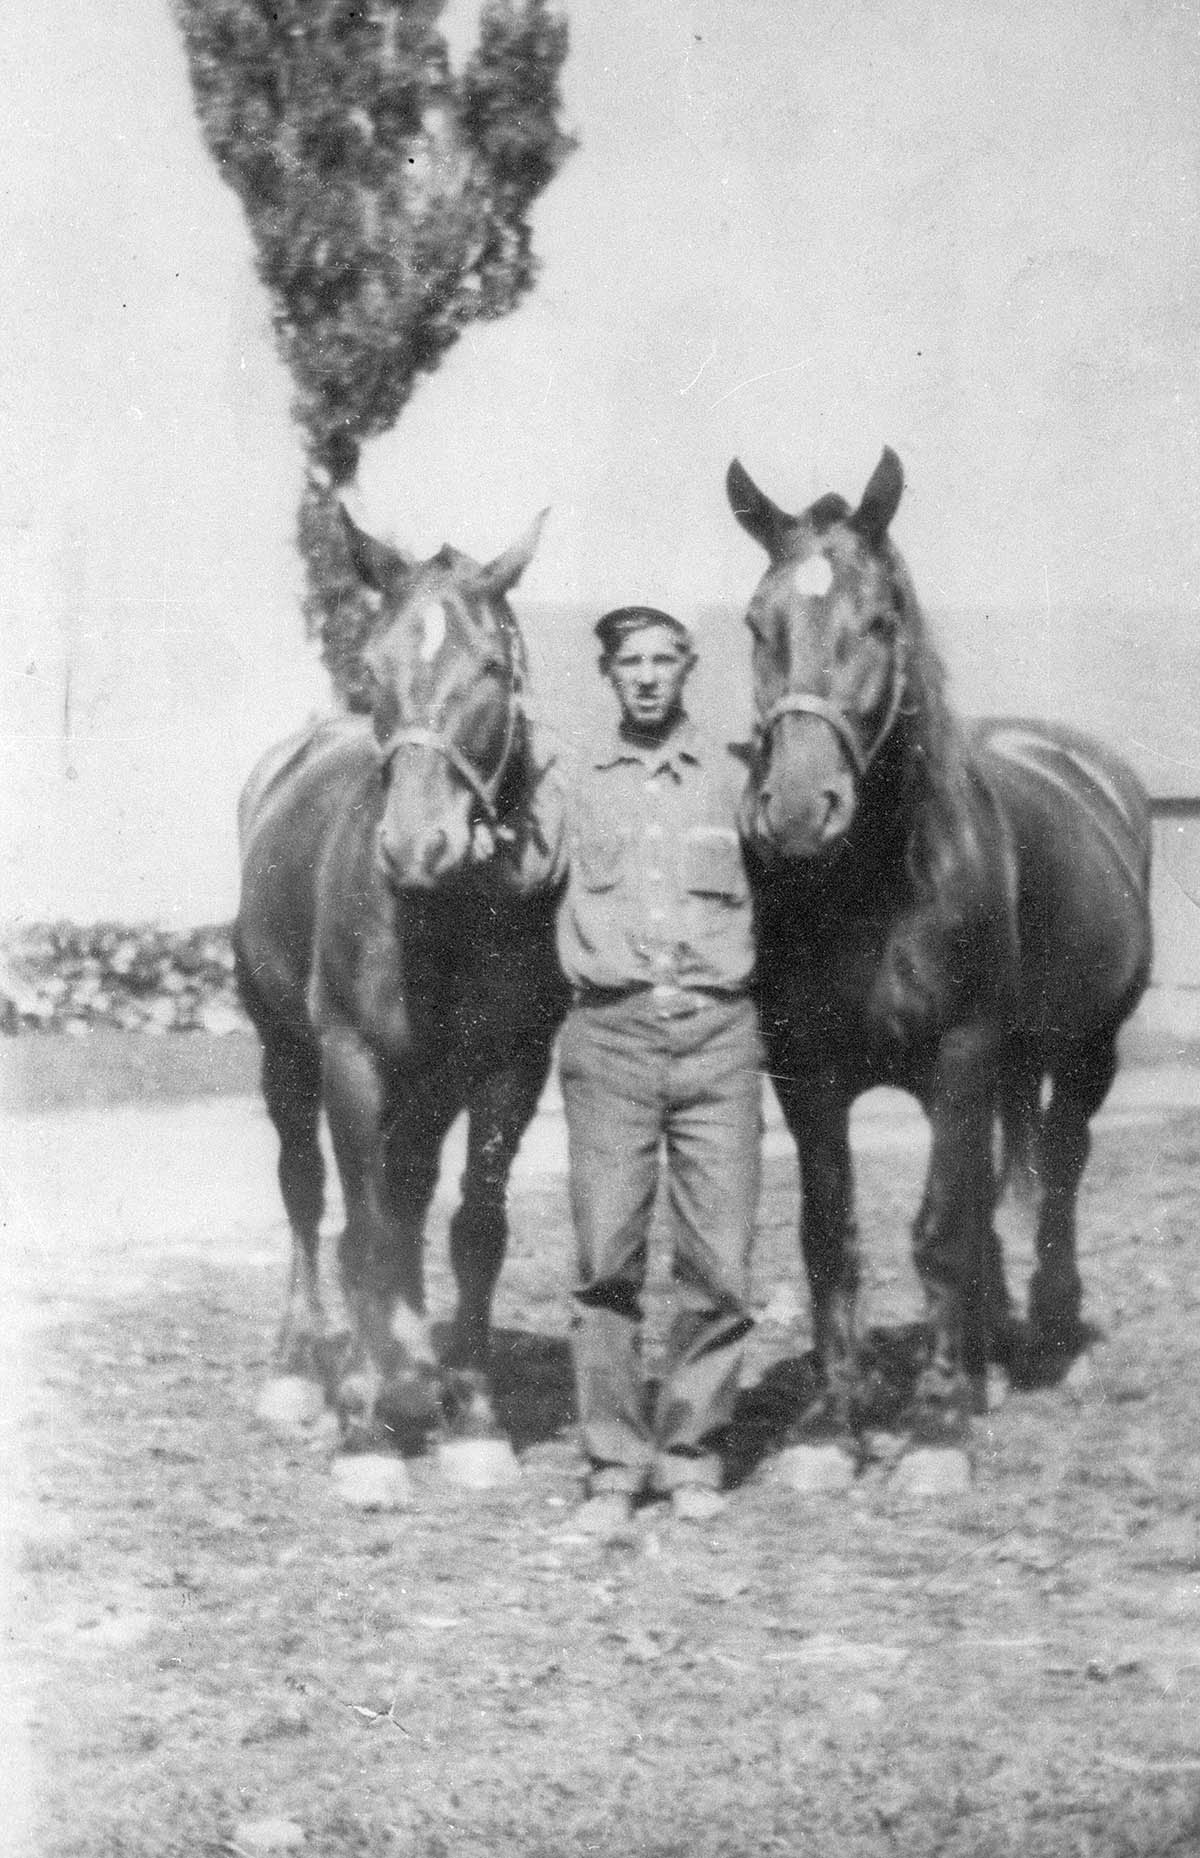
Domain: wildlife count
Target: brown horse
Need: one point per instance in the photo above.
(395, 951)
(960, 910)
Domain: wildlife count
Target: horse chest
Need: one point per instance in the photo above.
(461, 992)
(862, 991)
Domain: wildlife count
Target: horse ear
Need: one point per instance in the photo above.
(376, 564)
(881, 498)
(764, 520)
(507, 569)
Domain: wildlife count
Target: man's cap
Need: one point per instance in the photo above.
(612, 629)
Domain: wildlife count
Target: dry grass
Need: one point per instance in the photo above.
(216, 1640)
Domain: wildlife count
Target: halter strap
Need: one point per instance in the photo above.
(484, 788)
(801, 703)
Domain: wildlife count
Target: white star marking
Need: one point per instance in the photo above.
(813, 576)
(432, 621)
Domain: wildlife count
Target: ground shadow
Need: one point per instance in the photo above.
(533, 1385)
(768, 1413)
(531, 1377)
(534, 1389)
(890, 1360)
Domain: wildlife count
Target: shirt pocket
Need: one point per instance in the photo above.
(712, 864)
(599, 856)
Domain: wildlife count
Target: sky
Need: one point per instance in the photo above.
(790, 232)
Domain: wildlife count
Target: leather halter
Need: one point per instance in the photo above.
(802, 703)
(484, 787)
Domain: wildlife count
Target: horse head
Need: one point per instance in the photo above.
(828, 627)
(445, 668)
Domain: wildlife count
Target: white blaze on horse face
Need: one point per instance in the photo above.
(813, 577)
(431, 619)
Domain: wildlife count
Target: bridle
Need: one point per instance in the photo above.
(802, 703)
(485, 787)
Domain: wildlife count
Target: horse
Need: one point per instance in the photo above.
(957, 909)
(395, 951)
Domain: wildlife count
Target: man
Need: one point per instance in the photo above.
(659, 1051)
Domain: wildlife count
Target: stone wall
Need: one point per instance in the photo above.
(63, 977)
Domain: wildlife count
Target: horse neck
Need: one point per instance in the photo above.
(891, 801)
(916, 799)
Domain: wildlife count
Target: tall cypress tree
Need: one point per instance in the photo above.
(388, 201)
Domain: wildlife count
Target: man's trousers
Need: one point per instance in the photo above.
(651, 1080)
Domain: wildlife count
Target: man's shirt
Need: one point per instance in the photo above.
(656, 891)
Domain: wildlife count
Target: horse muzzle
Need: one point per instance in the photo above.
(425, 860)
(804, 807)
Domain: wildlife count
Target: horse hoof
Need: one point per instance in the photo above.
(816, 1469)
(372, 1481)
(478, 1464)
(290, 1403)
(933, 1471)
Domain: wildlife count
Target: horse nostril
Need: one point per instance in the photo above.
(837, 805)
(433, 852)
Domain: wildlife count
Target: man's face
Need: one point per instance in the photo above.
(648, 671)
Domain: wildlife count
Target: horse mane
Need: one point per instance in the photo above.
(934, 772)
(926, 825)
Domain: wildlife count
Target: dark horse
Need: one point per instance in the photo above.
(958, 909)
(395, 952)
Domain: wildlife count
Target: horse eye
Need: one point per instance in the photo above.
(882, 626)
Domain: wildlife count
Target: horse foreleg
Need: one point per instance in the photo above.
(1056, 1290)
(818, 1115)
(388, 1165)
(953, 1240)
(1003, 1327)
(291, 1085)
(500, 1110)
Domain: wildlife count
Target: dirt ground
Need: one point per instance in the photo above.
(214, 1655)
